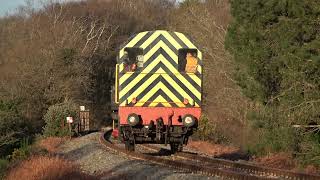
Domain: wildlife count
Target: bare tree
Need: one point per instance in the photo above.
(206, 22)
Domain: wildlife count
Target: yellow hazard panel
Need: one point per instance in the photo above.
(153, 71)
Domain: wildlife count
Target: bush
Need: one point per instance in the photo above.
(309, 149)
(22, 152)
(13, 128)
(269, 132)
(55, 119)
(208, 131)
(3, 167)
(281, 139)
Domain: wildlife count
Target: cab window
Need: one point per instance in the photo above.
(133, 59)
(187, 60)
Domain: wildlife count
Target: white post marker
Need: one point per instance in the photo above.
(82, 108)
(69, 120)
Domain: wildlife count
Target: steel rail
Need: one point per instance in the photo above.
(244, 167)
(183, 166)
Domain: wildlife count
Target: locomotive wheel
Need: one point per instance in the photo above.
(129, 145)
(176, 147)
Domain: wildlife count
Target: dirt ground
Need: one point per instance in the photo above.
(217, 150)
(279, 160)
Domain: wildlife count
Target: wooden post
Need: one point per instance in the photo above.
(69, 130)
(84, 119)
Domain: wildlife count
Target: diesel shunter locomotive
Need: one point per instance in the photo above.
(158, 89)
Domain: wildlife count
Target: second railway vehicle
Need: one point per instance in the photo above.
(158, 89)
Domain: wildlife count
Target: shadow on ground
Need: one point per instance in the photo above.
(137, 170)
(235, 156)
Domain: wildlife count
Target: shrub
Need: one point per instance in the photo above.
(55, 119)
(280, 139)
(309, 150)
(270, 132)
(43, 167)
(13, 128)
(208, 131)
(3, 167)
(22, 152)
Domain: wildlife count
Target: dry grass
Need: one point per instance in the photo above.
(212, 149)
(312, 169)
(279, 160)
(46, 168)
(51, 144)
(285, 161)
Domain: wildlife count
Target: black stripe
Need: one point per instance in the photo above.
(143, 39)
(173, 76)
(179, 41)
(160, 92)
(131, 78)
(123, 85)
(164, 95)
(159, 65)
(139, 43)
(163, 53)
(136, 74)
(183, 86)
(156, 41)
(167, 84)
(189, 79)
(146, 64)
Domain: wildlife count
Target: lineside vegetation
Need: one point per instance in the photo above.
(261, 67)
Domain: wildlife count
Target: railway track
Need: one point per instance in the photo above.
(244, 167)
(208, 166)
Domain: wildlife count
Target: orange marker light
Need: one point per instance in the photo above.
(185, 101)
(134, 100)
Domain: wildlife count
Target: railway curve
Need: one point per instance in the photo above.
(207, 166)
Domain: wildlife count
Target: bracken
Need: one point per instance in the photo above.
(46, 168)
(51, 144)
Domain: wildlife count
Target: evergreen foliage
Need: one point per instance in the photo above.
(55, 118)
(4, 163)
(278, 42)
(13, 128)
(276, 46)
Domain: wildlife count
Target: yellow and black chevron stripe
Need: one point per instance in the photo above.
(159, 83)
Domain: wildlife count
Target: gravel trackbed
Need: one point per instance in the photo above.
(95, 159)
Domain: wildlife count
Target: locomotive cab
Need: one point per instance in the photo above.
(132, 59)
(158, 89)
